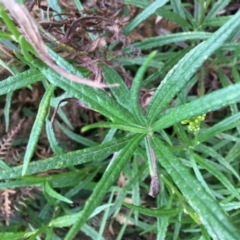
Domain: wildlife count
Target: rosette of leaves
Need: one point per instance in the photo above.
(124, 114)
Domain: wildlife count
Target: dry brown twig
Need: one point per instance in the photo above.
(6, 142)
(6, 203)
(30, 31)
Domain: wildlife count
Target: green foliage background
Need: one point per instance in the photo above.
(199, 173)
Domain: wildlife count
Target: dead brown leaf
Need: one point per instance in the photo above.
(30, 31)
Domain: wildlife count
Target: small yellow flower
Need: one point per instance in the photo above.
(194, 123)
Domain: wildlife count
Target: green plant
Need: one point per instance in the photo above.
(185, 193)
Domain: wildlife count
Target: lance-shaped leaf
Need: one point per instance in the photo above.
(130, 127)
(51, 192)
(224, 125)
(159, 41)
(37, 127)
(160, 212)
(121, 93)
(207, 103)
(16, 235)
(20, 80)
(219, 175)
(211, 214)
(95, 153)
(93, 98)
(135, 88)
(187, 66)
(104, 184)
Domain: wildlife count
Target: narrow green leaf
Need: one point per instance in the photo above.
(68, 159)
(160, 212)
(212, 216)
(198, 173)
(130, 128)
(4, 35)
(159, 41)
(9, 44)
(16, 235)
(207, 103)
(52, 139)
(163, 228)
(22, 183)
(173, 17)
(124, 226)
(20, 80)
(135, 89)
(226, 124)
(216, 21)
(178, 8)
(92, 97)
(187, 66)
(51, 192)
(77, 137)
(235, 74)
(150, 156)
(105, 217)
(215, 172)
(121, 93)
(214, 154)
(4, 65)
(55, 103)
(230, 206)
(217, 6)
(143, 171)
(136, 198)
(9, 23)
(78, 5)
(67, 179)
(37, 127)
(147, 12)
(104, 184)
(3, 165)
(90, 231)
(198, 10)
(168, 65)
(68, 220)
(163, 222)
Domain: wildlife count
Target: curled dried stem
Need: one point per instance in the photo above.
(31, 32)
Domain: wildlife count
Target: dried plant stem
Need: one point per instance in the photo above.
(31, 33)
(6, 142)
